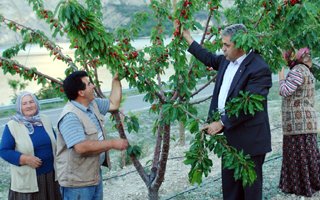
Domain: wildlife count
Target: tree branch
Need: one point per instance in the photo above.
(51, 46)
(134, 160)
(164, 157)
(206, 28)
(159, 95)
(29, 69)
(160, 85)
(200, 101)
(204, 86)
(157, 148)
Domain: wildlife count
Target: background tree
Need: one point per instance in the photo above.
(16, 86)
(273, 26)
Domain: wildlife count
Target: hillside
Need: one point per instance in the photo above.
(116, 13)
(21, 12)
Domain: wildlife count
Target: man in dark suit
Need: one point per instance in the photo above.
(238, 70)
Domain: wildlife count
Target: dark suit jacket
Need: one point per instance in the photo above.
(248, 133)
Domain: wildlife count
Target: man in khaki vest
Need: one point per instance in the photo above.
(81, 140)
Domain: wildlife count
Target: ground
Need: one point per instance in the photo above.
(125, 184)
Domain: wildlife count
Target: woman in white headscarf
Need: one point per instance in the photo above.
(28, 144)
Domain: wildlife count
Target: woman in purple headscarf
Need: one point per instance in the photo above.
(300, 170)
(28, 144)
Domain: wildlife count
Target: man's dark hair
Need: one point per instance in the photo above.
(73, 83)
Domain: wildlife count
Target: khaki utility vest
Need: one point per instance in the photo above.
(73, 169)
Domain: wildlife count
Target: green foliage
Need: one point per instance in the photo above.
(132, 123)
(95, 6)
(275, 26)
(48, 92)
(134, 151)
(197, 156)
(16, 85)
(246, 102)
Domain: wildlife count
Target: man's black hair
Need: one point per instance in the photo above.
(73, 84)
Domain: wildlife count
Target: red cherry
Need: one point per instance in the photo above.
(293, 2)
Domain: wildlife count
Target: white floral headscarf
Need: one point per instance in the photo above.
(29, 122)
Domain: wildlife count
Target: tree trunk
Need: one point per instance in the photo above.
(123, 159)
(123, 153)
(153, 189)
(182, 134)
(153, 193)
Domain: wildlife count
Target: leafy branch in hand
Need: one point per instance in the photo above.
(198, 154)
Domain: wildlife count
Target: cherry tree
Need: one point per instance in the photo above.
(273, 26)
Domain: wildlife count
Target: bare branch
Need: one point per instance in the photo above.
(200, 101)
(160, 84)
(206, 28)
(175, 95)
(204, 86)
(194, 117)
(98, 88)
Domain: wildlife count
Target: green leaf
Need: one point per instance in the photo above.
(134, 151)
(251, 108)
(193, 126)
(189, 161)
(257, 97)
(197, 177)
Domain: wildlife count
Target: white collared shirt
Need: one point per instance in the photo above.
(228, 76)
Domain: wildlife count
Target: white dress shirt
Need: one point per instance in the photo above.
(231, 70)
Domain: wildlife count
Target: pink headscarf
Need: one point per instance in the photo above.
(301, 53)
(293, 59)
